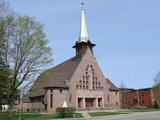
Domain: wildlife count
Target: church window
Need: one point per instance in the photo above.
(117, 103)
(51, 100)
(89, 77)
(70, 98)
(87, 87)
(60, 90)
(77, 86)
(108, 98)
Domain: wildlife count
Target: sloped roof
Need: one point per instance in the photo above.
(113, 87)
(26, 99)
(55, 77)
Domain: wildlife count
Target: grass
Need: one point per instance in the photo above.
(96, 114)
(127, 111)
(38, 116)
(78, 115)
(144, 110)
(34, 116)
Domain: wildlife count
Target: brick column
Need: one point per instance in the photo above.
(102, 102)
(48, 100)
(84, 103)
(96, 103)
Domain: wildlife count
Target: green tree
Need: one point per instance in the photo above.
(156, 88)
(23, 46)
(6, 30)
(6, 27)
(29, 52)
(4, 85)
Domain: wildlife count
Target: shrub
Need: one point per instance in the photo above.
(65, 112)
(156, 105)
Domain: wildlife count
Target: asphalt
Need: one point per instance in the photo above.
(133, 116)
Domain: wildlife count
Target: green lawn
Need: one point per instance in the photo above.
(144, 110)
(96, 114)
(126, 111)
(34, 116)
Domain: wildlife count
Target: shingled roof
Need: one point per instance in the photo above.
(55, 77)
(112, 86)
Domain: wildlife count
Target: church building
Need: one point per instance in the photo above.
(78, 82)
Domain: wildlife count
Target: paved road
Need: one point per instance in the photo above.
(133, 116)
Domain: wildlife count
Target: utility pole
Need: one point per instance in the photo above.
(21, 100)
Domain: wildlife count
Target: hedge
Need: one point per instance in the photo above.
(64, 112)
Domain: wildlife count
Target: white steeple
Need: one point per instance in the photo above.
(83, 28)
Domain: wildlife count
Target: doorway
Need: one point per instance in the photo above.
(90, 102)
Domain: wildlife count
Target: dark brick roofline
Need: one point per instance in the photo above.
(132, 89)
(149, 88)
(113, 87)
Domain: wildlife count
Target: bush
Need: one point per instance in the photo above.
(156, 105)
(65, 112)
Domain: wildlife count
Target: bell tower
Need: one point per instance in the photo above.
(83, 43)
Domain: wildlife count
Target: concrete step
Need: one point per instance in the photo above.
(86, 115)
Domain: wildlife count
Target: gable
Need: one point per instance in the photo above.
(88, 74)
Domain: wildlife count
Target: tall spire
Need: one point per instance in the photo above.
(83, 28)
(83, 44)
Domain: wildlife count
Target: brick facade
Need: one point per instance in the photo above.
(133, 98)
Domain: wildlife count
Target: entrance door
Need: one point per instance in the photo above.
(89, 102)
(79, 102)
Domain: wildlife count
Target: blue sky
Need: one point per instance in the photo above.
(127, 34)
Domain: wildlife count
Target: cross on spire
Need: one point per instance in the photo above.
(82, 5)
